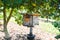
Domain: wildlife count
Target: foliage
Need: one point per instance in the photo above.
(57, 24)
(1, 16)
(57, 37)
(18, 17)
(11, 3)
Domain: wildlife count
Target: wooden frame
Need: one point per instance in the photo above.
(30, 19)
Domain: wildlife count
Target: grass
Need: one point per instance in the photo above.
(48, 27)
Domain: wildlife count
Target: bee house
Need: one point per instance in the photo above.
(30, 20)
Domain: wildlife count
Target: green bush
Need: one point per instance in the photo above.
(18, 18)
(57, 37)
(57, 24)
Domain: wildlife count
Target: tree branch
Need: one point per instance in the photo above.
(4, 14)
(9, 15)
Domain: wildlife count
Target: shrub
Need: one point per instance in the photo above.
(57, 24)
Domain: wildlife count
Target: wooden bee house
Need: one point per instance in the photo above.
(30, 20)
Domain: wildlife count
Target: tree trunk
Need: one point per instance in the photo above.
(5, 23)
(6, 31)
(47, 18)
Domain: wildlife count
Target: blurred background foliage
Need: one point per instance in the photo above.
(49, 9)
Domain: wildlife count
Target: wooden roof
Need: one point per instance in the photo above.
(35, 14)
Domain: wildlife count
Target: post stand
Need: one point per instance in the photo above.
(30, 36)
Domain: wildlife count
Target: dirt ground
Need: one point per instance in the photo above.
(14, 29)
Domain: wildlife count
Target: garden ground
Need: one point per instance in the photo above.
(43, 31)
